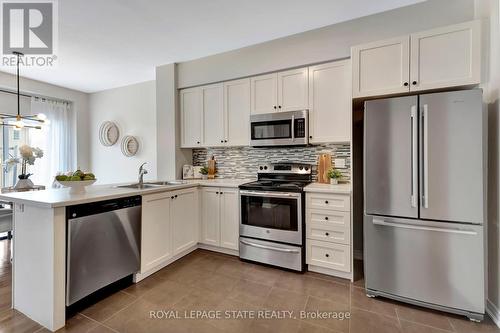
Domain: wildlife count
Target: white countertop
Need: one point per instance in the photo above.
(328, 188)
(61, 197)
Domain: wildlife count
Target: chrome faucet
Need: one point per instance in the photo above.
(142, 172)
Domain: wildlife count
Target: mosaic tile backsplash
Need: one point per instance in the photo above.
(243, 162)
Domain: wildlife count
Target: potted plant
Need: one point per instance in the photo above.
(204, 172)
(334, 175)
(28, 157)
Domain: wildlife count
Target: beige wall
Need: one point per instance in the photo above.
(80, 107)
(133, 109)
(171, 157)
(319, 45)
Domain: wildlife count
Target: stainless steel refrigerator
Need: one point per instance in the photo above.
(424, 185)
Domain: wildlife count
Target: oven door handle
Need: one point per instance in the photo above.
(270, 194)
(260, 246)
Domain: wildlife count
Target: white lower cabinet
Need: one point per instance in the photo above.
(220, 217)
(328, 233)
(329, 255)
(185, 220)
(170, 223)
(156, 245)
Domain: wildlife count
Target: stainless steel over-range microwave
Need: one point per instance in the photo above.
(279, 129)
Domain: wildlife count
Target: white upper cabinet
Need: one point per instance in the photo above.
(381, 67)
(191, 117)
(439, 58)
(237, 112)
(213, 115)
(264, 93)
(445, 57)
(330, 104)
(293, 90)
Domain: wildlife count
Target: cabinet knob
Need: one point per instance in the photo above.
(274, 107)
(225, 140)
(221, 193)
(326, 201)
(327, 255)
(216, 192)
(221, 141)
(327, 234)
(198, 142)
(175, 196)
(171, 197)
(405, 84)
(310, 136)
(326, 218)
(279, 106)
(414, 83)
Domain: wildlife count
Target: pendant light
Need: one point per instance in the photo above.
(31, 121)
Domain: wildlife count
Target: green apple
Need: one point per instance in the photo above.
(75, 178)
(61, 178)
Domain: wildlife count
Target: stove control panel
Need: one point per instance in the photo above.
(289, 168)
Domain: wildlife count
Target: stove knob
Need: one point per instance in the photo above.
(307, 168)
(261, 168)
(301, 167)
(265, 168)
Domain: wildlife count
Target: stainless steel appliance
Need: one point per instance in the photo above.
(424, 200)
(279, 129)
(272, 215)
(103, 245)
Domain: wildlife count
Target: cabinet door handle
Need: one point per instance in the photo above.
(274, 107)
(414, 83)
(405, 84)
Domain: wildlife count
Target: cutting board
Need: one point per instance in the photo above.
(324, 164)
(211, 169)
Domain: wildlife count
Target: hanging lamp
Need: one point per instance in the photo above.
(30, 121)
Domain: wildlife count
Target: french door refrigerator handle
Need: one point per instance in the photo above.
(414, 168)
(425, 160)
(382, 222)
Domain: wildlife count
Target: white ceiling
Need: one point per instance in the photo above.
(110, 43)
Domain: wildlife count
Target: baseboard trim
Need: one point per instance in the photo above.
(141, 276)
(493, 312)
(327, 271)
(218, 249)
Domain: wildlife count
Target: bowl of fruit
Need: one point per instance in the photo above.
(76, 181)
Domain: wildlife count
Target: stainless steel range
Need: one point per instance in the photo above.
(272, 215)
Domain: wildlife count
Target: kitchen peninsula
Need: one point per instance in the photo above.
(40, 222)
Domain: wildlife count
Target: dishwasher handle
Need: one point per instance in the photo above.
(99, 207)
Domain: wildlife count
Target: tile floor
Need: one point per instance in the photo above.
(208, 281)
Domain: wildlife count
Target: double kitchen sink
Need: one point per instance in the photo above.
(146, 185)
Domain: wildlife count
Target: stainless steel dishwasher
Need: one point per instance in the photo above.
(103, 245)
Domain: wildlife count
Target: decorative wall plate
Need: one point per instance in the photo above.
(108, 133)
(130, 145)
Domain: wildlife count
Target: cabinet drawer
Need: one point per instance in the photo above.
(329, 255)
(326, 218)
(328, 233)
(328, 201)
